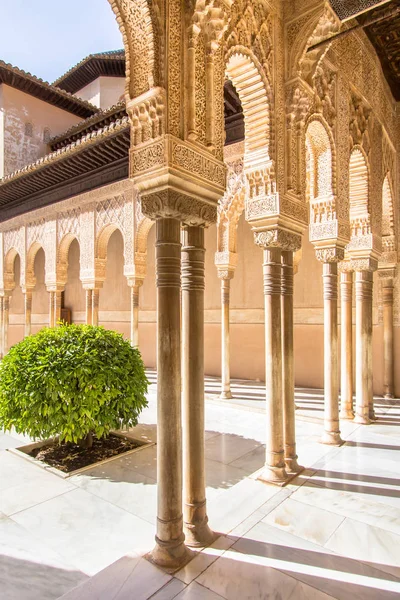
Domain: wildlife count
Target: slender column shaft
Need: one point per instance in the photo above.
(371, 411)
(388, 357)
(28, 313)
(51, 309)
(274, 469)
(57, 307)
(89, 307)
(170, 550)
(197, 531)
(289, 426)
(95, 306)
(363, 342)
(225, 341)
(331, 433)
(346, 372)
(6, 319)
(135, 315)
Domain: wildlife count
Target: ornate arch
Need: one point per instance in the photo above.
(254, 90)
(9, 269)
(30, 280)
(360, 213)
(62, 256)
(138, 23)
(321, 170)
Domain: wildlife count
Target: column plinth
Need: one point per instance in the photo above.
(170, 551)
(363, 346)
(197, 531)
(388, 357)
(274, 470)
(289, 426)
(346, 373)
(331, 435)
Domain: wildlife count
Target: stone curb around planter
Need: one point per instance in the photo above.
(22, 452)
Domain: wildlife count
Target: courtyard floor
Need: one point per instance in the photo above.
(333, 532)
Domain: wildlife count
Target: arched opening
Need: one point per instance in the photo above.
(74, 294)
(388, 229)
(319, 172)
(251, 87)
(359, 193)
(40, 297)
(114, 301)
(16, 314)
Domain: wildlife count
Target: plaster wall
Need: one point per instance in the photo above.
(103, 91)
(19, 109)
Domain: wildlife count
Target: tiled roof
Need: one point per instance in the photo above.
(111, 64)
(25, 82)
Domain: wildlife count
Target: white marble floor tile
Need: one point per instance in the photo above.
(144, 462)
(313, 524)
(129, 577)
(227, 448)
(348, 504)
(319, 567)
(194, 591)
(235, 505)
(29, 569)
(7, 441)
(221, 477)
(369, 544)
(236, 575)
(252, 461)
(88, 531)
(170, 590)
(122, 486)
(204, 559)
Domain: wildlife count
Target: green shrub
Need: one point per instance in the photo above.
(72, 381)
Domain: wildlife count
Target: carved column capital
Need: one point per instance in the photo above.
(278, 238)
(226, 263)
(332, 254)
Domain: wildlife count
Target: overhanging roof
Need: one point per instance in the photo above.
(25, 82)
(109, 64)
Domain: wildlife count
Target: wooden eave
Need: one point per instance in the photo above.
(107, 64)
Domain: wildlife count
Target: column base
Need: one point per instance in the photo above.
(226, 395)
(371, 414)
(388, 396)
(170, 557)
(331, 438)
(362, 420)
(292, 466)
(199, 536)
(346, 415)
(275, 475)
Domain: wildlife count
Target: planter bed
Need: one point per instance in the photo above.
(68, 459)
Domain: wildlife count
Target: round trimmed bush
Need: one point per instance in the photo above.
(72, 381)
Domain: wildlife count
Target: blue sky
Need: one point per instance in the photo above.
(47, 37)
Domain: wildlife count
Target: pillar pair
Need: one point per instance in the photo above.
(92, 306)
(54, 307)
(281, 457)
(181, 505)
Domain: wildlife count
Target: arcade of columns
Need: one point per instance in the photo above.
(318, 152)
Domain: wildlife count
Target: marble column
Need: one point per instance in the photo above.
(57, 307)
(135, 315)
(388, 354)
(331, 433)
(51, 309)
(274, 470)
(6, 318)
(289, 428)
(28, 312)
(346, 370)
(89, 306)
(226, 393)
(95, 306)
(197, 531)
(363, 345)
(170, 551)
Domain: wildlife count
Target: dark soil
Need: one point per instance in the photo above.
(69, 457)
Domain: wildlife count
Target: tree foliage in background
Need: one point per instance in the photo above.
(72, 381)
